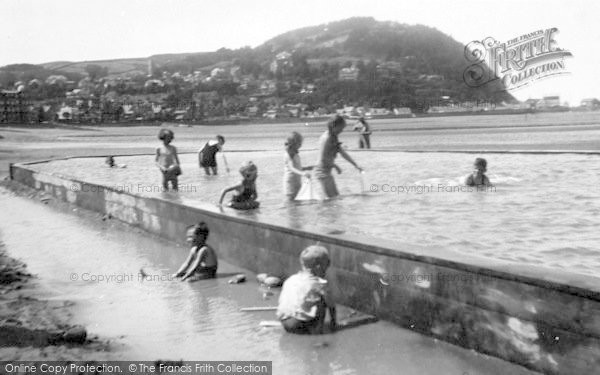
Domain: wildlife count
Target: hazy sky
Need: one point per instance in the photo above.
(36, 31)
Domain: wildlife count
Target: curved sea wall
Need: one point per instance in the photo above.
(547, 322)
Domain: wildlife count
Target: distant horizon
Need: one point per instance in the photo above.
(140, 29)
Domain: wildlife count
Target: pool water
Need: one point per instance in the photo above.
(544, 209)
(96, 264)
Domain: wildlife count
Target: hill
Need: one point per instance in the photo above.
(357, 61)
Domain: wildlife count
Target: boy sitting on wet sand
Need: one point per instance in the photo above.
(202, 261)
(305, 297)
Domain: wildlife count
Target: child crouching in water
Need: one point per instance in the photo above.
(245, 199)
(478, 177)
(167, 160)
(293, 167)
(202, 261)
(305, 296)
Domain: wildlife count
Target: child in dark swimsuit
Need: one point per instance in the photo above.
(207, 157)
(202, 261)
(478, 177)
(364, 133)
(110, 161)
(246, 197)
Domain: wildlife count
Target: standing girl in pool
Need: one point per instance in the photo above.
(207, 157)
(167, 160)
(329, 147)
(293, 167)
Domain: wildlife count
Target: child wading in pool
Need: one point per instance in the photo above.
(305, 296)
(207, 157)
(478, 177)
(364, 132)
(329, 147)
(293, 167)
(167, 160)
(110, 161)
(202, 261)
(245, 199)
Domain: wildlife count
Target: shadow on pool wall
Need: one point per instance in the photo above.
(550, 323)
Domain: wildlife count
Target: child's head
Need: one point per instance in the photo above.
(315, 259)
(249, 171)
(221, 140)
(166, 135)
(197, 234)
(293, 142)
(110, 161)
(480, 164)
(336, 124)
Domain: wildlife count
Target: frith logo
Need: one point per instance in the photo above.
(518, 62)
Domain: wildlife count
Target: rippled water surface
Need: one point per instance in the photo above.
(543, 210)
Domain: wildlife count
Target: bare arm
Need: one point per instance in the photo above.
(333, 318)
(348, 158)
(332, 311)
(195, 265)
(290, 163)
(156, 160)
(182, 270)
(227, 190)
(175, 156)
(224, 160)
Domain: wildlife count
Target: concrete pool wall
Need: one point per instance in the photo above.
(544, 320)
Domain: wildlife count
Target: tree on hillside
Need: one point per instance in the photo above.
(95, 71)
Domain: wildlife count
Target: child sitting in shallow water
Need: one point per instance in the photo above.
(245, 199)
(478, 177)
(305, 296)
(202, 261)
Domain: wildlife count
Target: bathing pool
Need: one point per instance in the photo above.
(544, 209)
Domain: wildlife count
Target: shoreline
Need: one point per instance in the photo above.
(279, 120)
